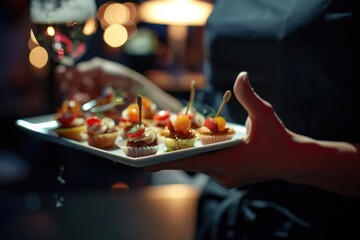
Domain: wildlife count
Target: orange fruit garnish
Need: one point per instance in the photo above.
(146, 103)
(71, 106)
(220, 122)
(182, 123)
(133, 112)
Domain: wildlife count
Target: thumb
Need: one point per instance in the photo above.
(253, 104)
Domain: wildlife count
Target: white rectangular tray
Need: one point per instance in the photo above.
(43, 126)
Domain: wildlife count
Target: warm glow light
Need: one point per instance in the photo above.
(50, 31)
(33, 38)
(119, 186)
(38, 57)
(134, 11)
(115, 35)
(176, 12)
(172, 191)
(90, 27)
(116, 13)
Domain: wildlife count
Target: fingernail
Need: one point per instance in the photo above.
(246, 77)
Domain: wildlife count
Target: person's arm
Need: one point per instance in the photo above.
(270, 151)
(86, 80)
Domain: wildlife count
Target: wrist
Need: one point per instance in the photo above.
(329, 165)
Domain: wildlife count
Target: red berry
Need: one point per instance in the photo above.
(136, 131)
(210, 123)
(93, 120)
(66, 120)
(170, 126)
(162, 115)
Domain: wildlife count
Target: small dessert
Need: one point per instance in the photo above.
(102, 132)
(216, 129)
(71, 120)
(141, 141)
(178, 133)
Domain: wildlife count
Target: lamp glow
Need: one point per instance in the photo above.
(176, 12)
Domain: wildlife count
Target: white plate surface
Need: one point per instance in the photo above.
(43, 126)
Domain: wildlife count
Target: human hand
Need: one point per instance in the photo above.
(86, 80)
(262, 155)
(271, 151)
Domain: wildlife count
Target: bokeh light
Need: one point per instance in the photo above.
(38, 57)
(117, 20)
(115, 35)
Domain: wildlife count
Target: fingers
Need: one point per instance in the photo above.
(253, 104)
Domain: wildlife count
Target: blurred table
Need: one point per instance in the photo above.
(154, 212)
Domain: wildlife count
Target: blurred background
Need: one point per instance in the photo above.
(48, 191)
(36, 176)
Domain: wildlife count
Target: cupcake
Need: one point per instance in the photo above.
(102, 133)
(215, 130)
(71, 121)
(178, 133)
(141, 141)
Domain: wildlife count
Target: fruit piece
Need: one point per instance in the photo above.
(71, 106)
(65, 120)
(162, 115)
(146, 103)
(133, 112)
(90, 121)
(211, 124)
(221, 123)
(181, 123)
(170, 126)
(136, 131)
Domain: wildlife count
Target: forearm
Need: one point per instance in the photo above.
(334, 166)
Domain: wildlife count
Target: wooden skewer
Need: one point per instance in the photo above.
(226, 98)
(192, 96)
(139, 103)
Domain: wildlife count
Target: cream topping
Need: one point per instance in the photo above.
(148, 137)
(77, 122)
(106, 125)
